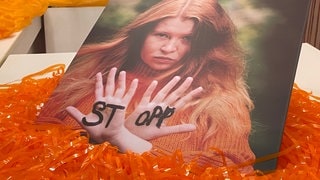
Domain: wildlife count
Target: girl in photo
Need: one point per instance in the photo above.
(172, 79)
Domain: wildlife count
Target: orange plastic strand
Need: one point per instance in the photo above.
(303, 130)
(47, 151)
(17, 14)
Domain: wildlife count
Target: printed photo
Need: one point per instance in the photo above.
(210, 78)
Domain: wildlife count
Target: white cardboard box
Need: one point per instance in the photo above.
(67, 28)
(20, 42)
(308, 71)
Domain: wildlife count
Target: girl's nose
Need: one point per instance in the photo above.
(169, 46)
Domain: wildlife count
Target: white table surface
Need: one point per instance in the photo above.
(20, 65)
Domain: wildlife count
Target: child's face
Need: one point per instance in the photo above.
(167, 44)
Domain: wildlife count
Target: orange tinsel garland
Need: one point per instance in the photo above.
(48, 151)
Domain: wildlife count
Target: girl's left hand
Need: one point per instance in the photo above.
(147, 119)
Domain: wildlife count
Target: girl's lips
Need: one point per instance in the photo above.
(162, 58)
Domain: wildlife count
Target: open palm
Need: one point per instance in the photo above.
(148, 119)
(108, 113)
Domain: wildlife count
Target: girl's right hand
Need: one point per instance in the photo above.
(106, 121)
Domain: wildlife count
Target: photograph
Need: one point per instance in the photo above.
(209, 78)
